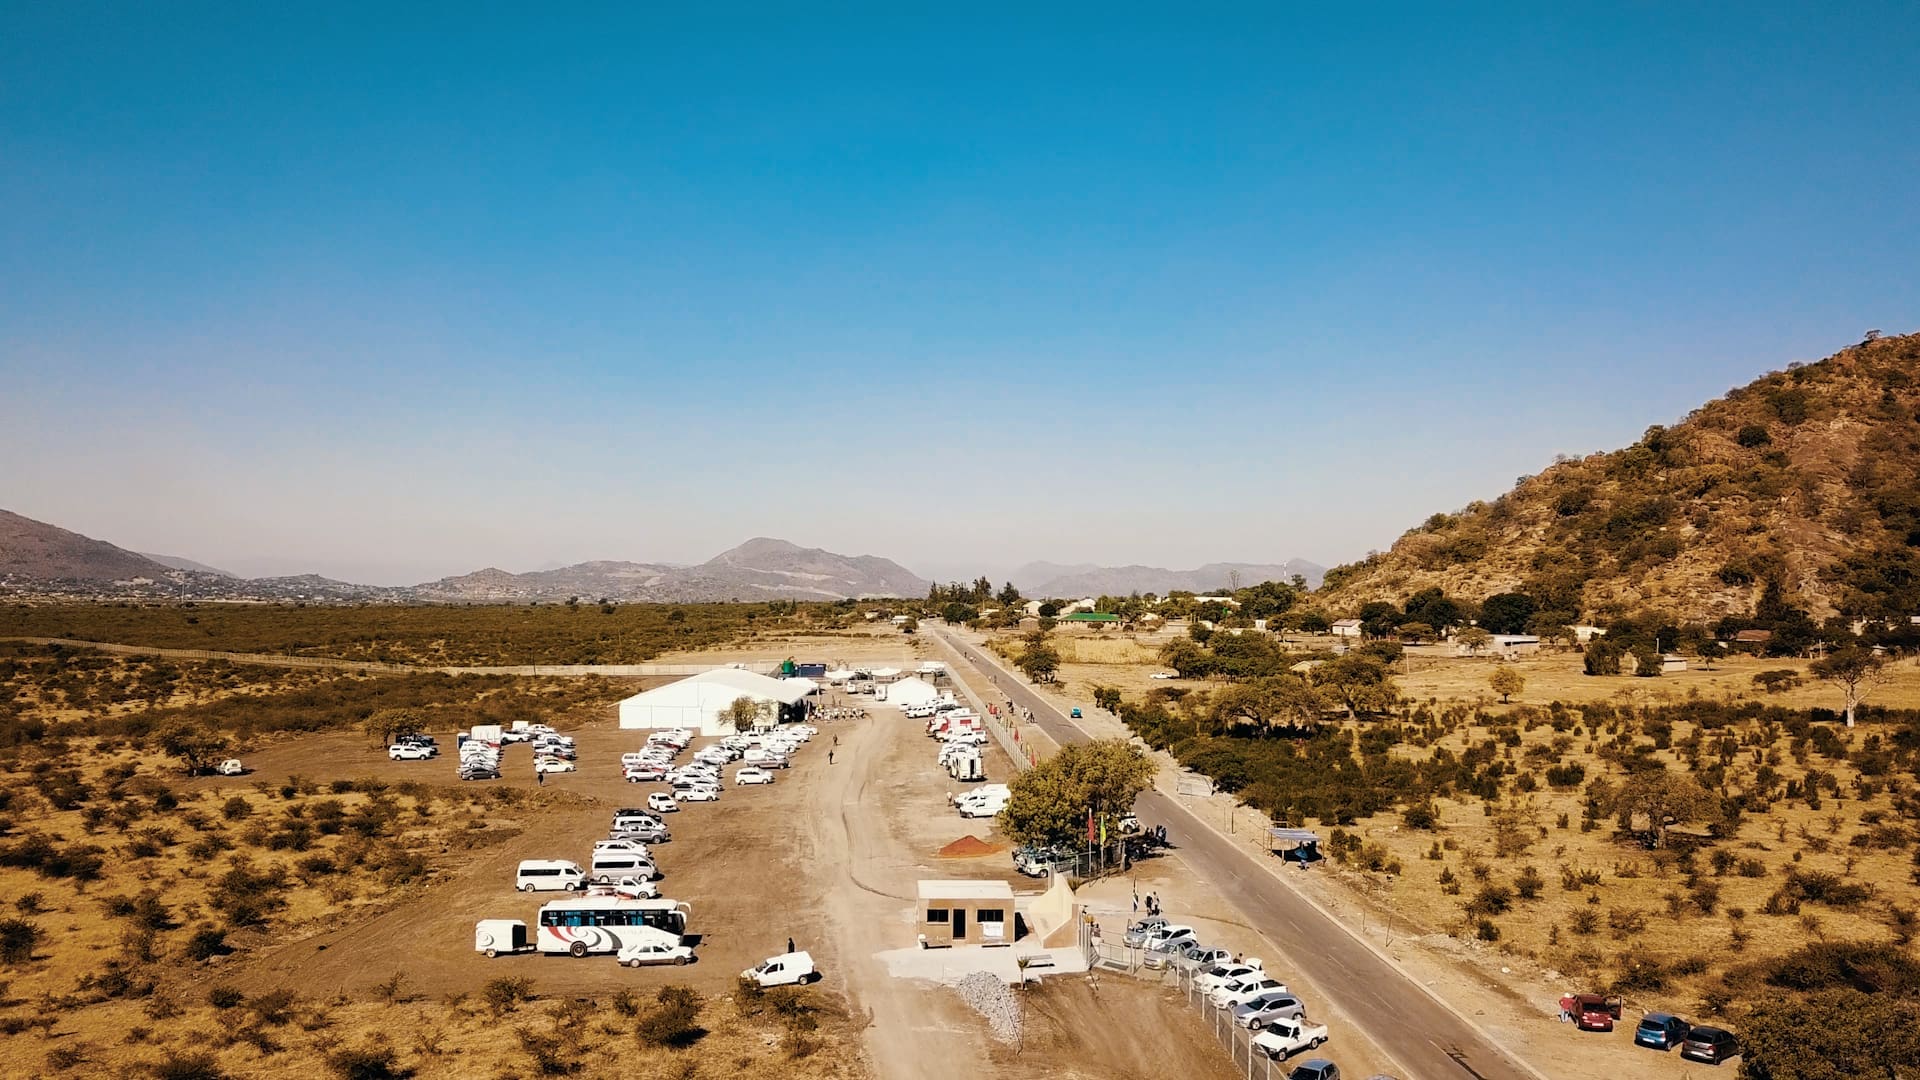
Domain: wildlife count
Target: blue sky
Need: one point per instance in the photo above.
(390, 293)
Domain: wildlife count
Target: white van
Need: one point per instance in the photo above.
(609, 865)
(783, 970)
(549, 875)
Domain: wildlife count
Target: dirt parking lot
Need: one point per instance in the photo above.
(828, 855)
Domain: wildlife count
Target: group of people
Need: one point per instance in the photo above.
(1152, 902)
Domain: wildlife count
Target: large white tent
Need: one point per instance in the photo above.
(696, 702)
(911, 691)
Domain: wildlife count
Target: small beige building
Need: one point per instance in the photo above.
(966, 913)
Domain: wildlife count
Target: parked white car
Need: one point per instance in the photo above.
(1216, 977)
(752, 775)
(661, 802)
(1263, 1009)
(634, 846)
(231, 767)
(1171, 938)
(554, 765)
(1244, 989)
(653, 952)
(697, 794)
(409, 752)
(628, 886)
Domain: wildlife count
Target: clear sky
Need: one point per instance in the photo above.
(395, 291)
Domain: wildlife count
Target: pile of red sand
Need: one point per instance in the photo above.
(969, 847)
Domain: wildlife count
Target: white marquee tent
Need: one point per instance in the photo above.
(911, 691)
(696, 702)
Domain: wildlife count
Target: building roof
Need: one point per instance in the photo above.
(1090, 616)
(1346, 622)
(1761, 636)
(946, 889)
(1515, 639)
(728, 683)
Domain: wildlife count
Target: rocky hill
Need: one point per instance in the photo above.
(35, 550)
(178, 563)
(1808, 478)
(1051, 579)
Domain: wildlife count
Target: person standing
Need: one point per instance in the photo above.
(790, 945)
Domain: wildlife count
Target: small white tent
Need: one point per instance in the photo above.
(696, 702)
(911, 691)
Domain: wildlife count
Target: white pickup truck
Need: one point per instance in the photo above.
(1284, 1038)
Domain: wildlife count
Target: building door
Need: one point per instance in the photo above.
(959, 924)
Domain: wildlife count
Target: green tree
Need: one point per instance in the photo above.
(1050, 802)
(385, 725)
(1602, 657)
(1852, 669)
(1506, 682)
(1107, 697)
(1359, 682)
(1049, 609)
(911, 626)
(197, 747)
(1039, 662)
(1277, 701)
(1416, 632)
(957, 613)
(1008, 596)
(1832, 1035)
(1506, 613)
(1474, 639)
(1663, 798)
(1187, 658)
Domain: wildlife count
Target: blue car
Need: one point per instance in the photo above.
(1661, 1031)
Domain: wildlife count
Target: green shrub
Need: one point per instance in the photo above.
(222, 996)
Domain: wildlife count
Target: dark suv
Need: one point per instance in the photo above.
(1661, 1031)
(1709, 1044)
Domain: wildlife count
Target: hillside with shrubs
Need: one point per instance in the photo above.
(1806, 479)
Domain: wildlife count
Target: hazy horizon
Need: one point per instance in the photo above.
(388, 297)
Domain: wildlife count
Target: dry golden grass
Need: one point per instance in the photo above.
(1558, 676)
(1642, 903)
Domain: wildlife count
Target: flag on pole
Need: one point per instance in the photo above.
(1103, 830)
(1089, 826)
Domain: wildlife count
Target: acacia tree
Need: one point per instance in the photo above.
(1358, 681)
(1506, 682)
(1474, 638)
(741, 714)
(1664, 798)
(386, 725)
(1050, 803)
(1274, 701)
(197, 747)
(1854, 670)
(1039, 662)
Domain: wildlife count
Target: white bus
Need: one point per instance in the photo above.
(605, 924)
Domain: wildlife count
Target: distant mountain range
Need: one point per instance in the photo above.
(760, 569)
(1057, 580)
(39, 558)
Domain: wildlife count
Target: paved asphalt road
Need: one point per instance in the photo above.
(1423, 1035)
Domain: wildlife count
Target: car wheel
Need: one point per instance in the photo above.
(1317, 1042)
(682, 961)
(573, 886)
(528, 887)
(633, 963)
(578, 949)
(491, 953)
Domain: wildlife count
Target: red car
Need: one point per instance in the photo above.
(1594, 1012)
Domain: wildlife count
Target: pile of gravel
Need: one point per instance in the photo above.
(986, 994)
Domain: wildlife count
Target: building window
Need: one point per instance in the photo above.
(991, 914)
(937, 914)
